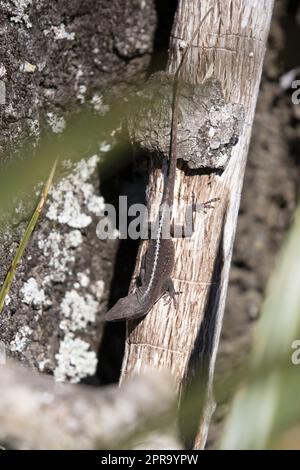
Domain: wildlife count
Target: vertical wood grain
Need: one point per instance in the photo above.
(230, 47)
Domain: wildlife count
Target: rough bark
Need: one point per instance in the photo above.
(54, 57)
(231, 48)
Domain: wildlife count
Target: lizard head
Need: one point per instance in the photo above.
(126, 308)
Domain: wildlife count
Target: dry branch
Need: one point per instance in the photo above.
(36, 413)
(230, 48)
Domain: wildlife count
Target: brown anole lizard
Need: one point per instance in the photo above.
(159, 259)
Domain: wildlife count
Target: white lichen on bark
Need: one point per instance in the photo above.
(60, 32)
(18, 11)
(78, 311)
(75, 360)
(73, 193)
(32, 293)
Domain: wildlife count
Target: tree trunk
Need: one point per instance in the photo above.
(230, 47)
(54, 57)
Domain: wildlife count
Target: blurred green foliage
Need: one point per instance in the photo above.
(267, 405)
(83, 133)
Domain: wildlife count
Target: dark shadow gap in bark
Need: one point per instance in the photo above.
(195, 392)
(165, 11)
(127, 178)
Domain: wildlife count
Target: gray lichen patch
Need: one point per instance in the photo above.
(32, 294)
(18, 11)
(56, 123)
(75, 360)
(78, 311)
(19, 343)
(60, 32)
(208, 127)
(56, 248)
(73, 194)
